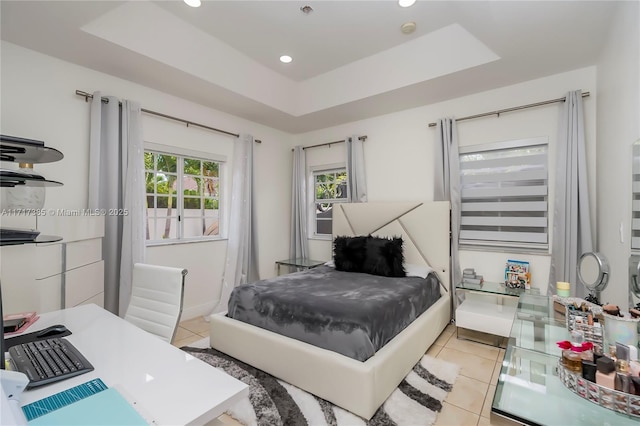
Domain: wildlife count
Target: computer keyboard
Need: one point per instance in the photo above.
(48, 361)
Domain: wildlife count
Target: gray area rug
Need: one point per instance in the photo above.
(416, 401)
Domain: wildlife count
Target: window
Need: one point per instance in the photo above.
(635, 210)
(182, 196)
(330, 186)
(504, 195)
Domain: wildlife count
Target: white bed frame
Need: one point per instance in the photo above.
(359, 387)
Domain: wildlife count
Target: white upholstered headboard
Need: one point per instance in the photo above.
(423, 226)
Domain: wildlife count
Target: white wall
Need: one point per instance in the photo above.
(38, 101)
(618, 110)
(399, 150)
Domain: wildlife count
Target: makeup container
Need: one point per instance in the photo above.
(563, 289)
(589, 370)
(622, 379)
(635, 380)
(633, 353)
(612, 351)
(622, 353)
(606, 372)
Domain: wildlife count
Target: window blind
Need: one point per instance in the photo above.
(635, 209)
(504, 190)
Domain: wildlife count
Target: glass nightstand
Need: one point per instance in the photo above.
(488, 309)
(298, 264)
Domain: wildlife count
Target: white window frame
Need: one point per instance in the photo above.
(313, 172)
(498, 213)
(181, 154)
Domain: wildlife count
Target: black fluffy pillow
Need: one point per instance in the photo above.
(349, 253)
(384, 257)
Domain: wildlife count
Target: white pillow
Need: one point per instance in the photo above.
(414, 270)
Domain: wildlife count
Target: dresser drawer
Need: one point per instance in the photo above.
(49, 293)
(84, 283)
(48, 260)
(98, 299)
(80, 253)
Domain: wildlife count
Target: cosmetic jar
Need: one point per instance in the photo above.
(563, 289)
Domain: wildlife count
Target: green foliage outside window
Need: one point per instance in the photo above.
(331, 186)
(200, 185)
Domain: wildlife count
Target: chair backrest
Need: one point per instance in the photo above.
(156, 299)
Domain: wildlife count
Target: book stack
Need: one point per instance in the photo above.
(17, 323)
(517, 275)
(471, 279)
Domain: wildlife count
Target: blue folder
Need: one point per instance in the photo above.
(107, 407)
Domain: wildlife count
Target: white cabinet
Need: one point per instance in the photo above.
(48, 277)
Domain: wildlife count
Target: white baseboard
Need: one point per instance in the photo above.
(192, 312)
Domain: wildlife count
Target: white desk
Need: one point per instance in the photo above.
(167, 385)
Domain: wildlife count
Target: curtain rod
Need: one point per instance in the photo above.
(501, 111)
(86, 97)
(362, 138)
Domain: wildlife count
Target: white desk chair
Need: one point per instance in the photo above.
(156, 299)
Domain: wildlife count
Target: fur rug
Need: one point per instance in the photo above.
(416, 401)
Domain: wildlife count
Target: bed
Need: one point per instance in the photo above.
(357, 386)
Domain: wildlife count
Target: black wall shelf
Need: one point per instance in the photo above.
(21, 150)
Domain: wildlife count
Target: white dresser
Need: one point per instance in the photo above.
(48, 277)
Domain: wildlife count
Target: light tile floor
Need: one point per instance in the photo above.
(191, 331)
(468, 404)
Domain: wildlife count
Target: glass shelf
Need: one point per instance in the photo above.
(39, 239)
(10, 182)
(301, 262)
(11, 178)
(20, 150)
(496, 288)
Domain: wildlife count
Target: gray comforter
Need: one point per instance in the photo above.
(351, 313)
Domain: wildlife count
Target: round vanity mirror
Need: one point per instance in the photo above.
(635, 281)
(593, 271)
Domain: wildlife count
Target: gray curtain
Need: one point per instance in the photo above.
(241, 266)
(299, 244)
(571, 216)
(447, 185)
(116, 185)
(356, 177)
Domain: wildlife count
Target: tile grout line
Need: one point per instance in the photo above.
(464, 409)
(470, 353)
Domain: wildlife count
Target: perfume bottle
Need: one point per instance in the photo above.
(622, 379)
(572, 360)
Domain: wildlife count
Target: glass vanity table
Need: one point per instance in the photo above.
(529, 390)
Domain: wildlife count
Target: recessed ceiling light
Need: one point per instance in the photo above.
(406, 3)
(193, 3)
(306, 9)
(286, 59)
